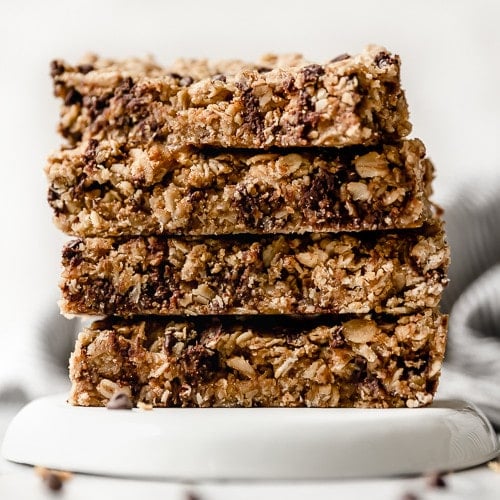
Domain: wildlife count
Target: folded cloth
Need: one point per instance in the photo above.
(472, 368)
(34, 354)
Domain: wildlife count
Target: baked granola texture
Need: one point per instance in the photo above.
(97, 190)
(365, 361)
(280, 102)
(308, 274)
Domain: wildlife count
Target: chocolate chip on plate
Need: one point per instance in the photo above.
(341, 57)
(120, 400)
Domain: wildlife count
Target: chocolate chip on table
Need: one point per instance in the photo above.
(190, 495)
(436, 480)
(409, 496)
(53, 481)
(120, 400)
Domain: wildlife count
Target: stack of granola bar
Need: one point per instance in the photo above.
(255, 234)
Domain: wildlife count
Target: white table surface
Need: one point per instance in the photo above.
(21, 482)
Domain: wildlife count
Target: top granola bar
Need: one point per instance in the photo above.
(283, 102)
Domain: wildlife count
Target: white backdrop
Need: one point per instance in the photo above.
(451, 71)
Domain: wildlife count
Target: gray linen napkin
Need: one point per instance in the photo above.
(472, 368)
(34, 361)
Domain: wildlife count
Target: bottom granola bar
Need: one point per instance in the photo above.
(349, 361)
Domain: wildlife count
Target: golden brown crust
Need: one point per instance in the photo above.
(369, 361)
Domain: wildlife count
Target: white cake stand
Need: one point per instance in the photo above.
(254, 443)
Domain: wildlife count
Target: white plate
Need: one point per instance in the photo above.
(250, 443)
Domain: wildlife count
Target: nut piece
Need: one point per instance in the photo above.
(360, 330)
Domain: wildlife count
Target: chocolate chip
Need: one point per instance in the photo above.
(125, 88)
(409, 496)
(337, 339)
(53, 481)
(384, 59)
(89, 156)
(312, 72)
(436, 480)
(175, 75)
(120, 400)
(185, 81)
(169, 342)
(56, 69)
(263, 69)
(52, 195)
(190, 495)
(96, 104)
(248, 206)
(250, 112)
(85, 68)
(288, 84)
(219, 78)
(200, 362)
(72, 97)
(321, 194)
(340, 57)
(71, 251)
(360, 372)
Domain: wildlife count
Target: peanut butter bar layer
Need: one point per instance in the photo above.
(347, 101)
(310, 274)
(98, 190)
(365, 361)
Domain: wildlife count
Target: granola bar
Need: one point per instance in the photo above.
(310, 274)
(96, 190)
(369, 361)
(347, 101)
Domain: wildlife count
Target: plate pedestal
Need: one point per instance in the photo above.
(249, 443)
